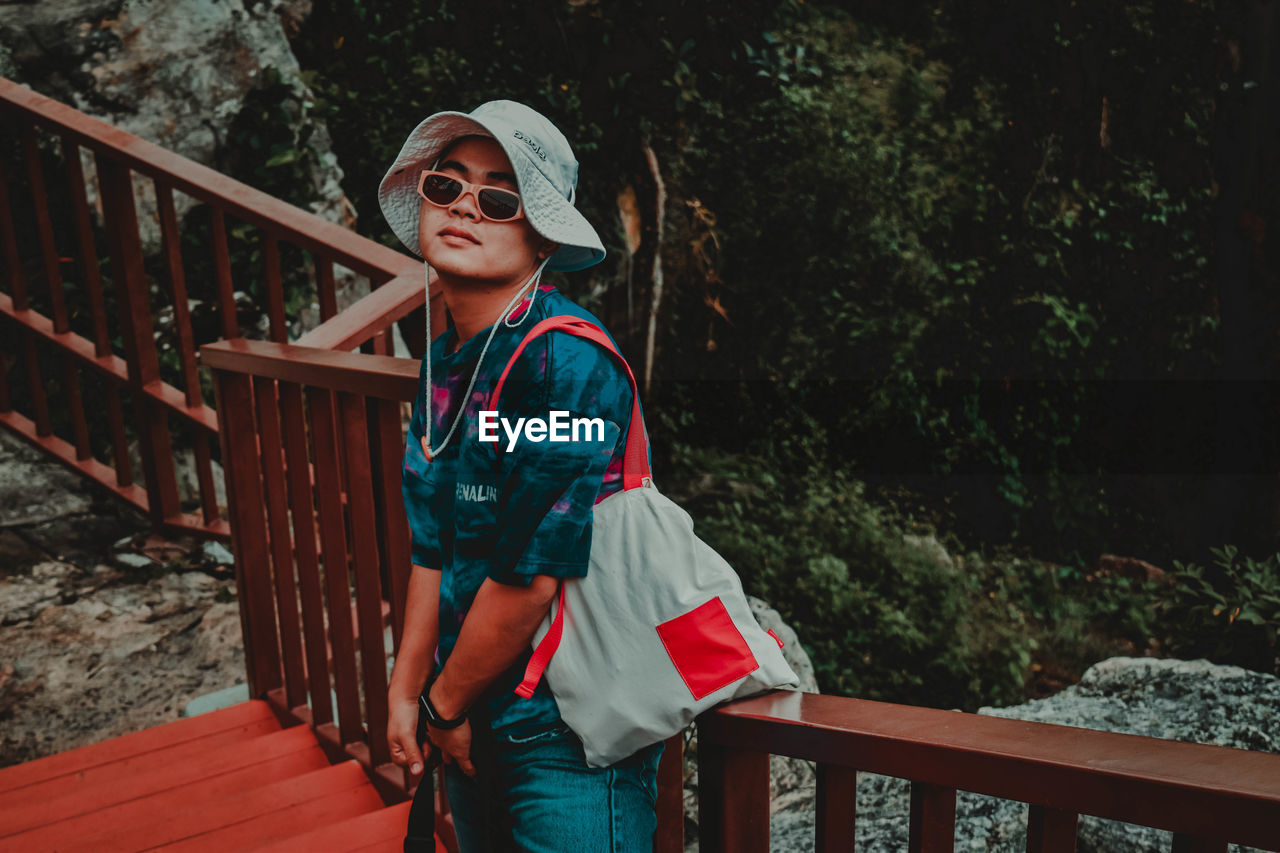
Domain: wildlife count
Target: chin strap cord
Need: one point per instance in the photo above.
(505, 318)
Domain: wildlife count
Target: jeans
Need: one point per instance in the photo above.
(534, 791)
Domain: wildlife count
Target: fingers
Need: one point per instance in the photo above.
(405, 752)
(413, 756)
(465, 765)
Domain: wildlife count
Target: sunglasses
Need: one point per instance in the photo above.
(443, 189)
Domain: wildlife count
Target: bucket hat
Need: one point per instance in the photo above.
(545, 168)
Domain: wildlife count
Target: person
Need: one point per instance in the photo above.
(487, 199)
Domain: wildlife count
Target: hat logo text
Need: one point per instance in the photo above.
(534, 147)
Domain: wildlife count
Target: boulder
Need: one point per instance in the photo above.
(33, 491)
(176, 73)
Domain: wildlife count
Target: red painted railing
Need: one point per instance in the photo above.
(80, 343)
(1208, 796)
(314, 441)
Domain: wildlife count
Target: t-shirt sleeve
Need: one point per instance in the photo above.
(547, 488)
(419, 493)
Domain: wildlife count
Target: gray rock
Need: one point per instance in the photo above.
(792, 651)
(23, 597)
(1177, 700)
(117, 659)
(175, 73)
(184, 466)
(933, 548)
(214, 553)
(135, 561)
(32, 491)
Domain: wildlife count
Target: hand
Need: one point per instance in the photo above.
(454, 745)
(402, 734)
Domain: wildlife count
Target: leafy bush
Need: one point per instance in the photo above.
(883, 614)
(1229, 612)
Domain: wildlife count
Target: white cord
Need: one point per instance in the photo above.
(505, 318)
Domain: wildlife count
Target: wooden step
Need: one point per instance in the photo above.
(246, 819)
(238, 722)
(144, 809)
(377, 830)
(105, 785)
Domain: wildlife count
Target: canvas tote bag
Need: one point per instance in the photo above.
(659, 630)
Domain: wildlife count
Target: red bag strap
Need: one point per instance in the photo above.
(542, 654)
(635, 468)
(635, 464)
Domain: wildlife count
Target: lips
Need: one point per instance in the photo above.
(459, 233)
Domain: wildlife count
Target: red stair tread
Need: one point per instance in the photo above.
(145, 809)
(283, 823)
(245, 719)
(106, 785)
(383, 827)
(294, 804)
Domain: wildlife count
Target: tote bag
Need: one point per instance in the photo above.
(659, 630)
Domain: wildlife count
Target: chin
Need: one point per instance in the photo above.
(459, 270)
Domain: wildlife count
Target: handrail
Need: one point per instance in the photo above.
(133, 367)
(305, 229)
(379, 376)
(375, 312)
(1212, 793)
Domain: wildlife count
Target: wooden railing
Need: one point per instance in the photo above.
(316, 437)
(117, 355)
(314, 442)
(1208, 796)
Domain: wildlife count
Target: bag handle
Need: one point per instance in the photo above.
(635, 464)
(542, 654)
(635, 468)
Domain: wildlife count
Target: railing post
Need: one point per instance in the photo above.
(670, 834)
(836, 807)
(139, 340)
(933, 818)
(387, 449)
(733, 799)
(248, 530)
(1051, 830)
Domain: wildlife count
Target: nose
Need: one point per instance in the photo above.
(467, 205)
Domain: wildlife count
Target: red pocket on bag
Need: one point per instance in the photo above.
(707, 648)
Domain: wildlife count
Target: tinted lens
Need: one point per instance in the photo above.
(499, 204)
(440, 189)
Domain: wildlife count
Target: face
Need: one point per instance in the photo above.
(459, 242)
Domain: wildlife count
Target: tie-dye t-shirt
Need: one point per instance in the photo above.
(480, 511)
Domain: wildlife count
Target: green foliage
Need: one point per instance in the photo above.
(893, 254)
(882, 614)
(1229, 613)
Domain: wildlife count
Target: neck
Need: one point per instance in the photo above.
(474, 306)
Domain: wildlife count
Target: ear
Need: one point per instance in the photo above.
(547, 249)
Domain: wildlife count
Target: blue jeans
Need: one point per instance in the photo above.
(534, 791)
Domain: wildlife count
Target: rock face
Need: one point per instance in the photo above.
(1177, 700)
(34, 491)
(174, 72)
(105, 629)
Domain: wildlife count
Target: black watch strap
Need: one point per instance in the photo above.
(433, 716)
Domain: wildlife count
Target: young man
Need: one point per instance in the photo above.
(487, 200)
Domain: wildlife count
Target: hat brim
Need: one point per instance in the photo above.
(548, 212)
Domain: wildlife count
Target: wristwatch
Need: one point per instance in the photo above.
(433, 716)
